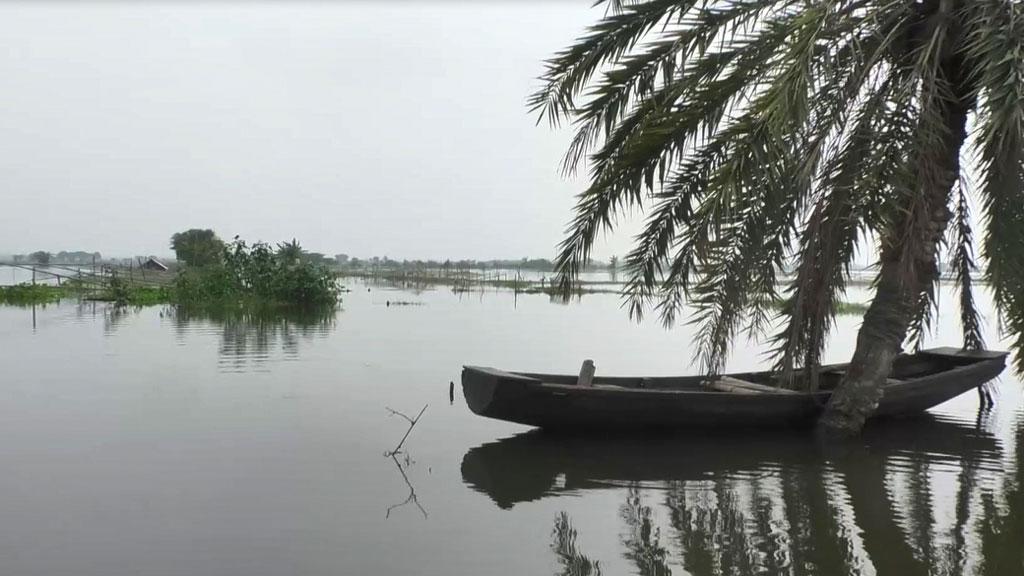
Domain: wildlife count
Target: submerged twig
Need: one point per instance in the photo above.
(412, 424)
(412, 491)
(393, 454)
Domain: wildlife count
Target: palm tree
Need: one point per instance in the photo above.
(290, 253)
(761, 135)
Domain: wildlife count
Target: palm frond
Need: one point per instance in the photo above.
(848, 195)
(996, 39)
(570, 70)
(962, 266)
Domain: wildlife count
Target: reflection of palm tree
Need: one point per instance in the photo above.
(720, 537)
(696, 546)
(572, 561)
(818, 543)
(967, 487)
(713, 531)
(777, 505)
(643, 540)
(1001, 527)
(769, 543)
(920, 520)
(864, 476)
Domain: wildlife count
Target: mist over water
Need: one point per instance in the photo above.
(154, 441)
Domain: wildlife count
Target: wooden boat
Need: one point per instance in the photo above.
(918, 382)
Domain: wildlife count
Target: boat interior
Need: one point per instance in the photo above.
(906, 367)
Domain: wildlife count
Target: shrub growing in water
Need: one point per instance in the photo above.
(256, 274)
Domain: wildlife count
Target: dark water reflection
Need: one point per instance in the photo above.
(778, 503)
(252, 337)
(159, 442)
(249, 337)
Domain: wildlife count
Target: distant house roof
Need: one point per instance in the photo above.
(154, 264)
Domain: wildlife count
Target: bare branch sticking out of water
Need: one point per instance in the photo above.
(412, 424)
(412, 498)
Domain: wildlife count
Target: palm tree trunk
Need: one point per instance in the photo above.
(912, 245)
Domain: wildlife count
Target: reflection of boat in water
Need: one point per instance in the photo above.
(918, 382)
(915, 498)
(535, 464)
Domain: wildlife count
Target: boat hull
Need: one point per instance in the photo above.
(551, 402)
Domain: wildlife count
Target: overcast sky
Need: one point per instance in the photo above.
(383, 128)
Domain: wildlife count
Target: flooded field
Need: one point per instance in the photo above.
(154, 442)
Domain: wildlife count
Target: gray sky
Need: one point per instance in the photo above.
(385, 128)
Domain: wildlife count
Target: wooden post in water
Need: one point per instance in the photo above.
(33, 279)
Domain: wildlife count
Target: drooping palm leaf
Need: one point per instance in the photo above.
(996, 35)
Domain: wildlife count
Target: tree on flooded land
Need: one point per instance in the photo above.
(77, 257)
(40, 257)
(290, 252)
(257, 275)
(197, 247)
(761, 135)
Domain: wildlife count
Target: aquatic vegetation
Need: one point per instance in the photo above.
(842, 308)
(28, 294)
(257, 275)
(252, 276)
(121, 291)
(116, 290)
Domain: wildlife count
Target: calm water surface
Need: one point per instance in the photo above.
(153, 442)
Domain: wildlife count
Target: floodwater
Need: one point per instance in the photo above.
(153, 442)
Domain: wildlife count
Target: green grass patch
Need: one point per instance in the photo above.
(134, 295)
(842, 308)
(29, 294)
(118, 292)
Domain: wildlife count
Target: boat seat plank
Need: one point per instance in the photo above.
(737, 386)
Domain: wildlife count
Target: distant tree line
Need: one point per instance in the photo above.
(345, 261)
(44, 257)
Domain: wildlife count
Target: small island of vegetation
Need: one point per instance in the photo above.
(210, 273)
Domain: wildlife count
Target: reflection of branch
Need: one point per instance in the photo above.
(412, 423)
(412, 491)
